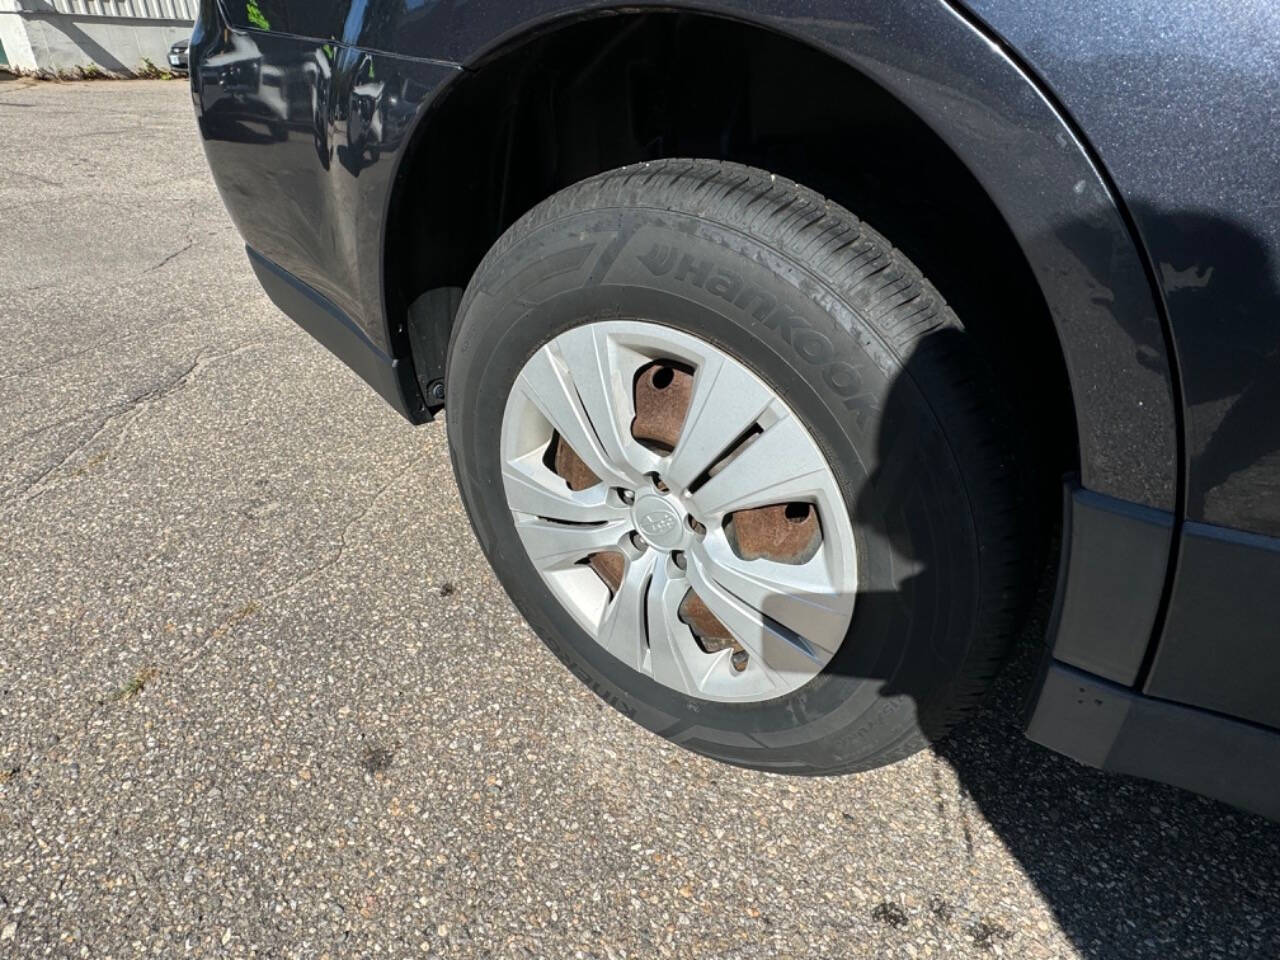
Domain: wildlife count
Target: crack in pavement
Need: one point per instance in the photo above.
(38, 431)
(40, 368)
(346, 529)
(39, 485)
(132, 409)
(170, 258)
(37, 178)
(191, 242)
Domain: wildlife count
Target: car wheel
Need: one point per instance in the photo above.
(739, 465)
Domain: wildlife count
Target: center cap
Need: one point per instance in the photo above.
(659, 522)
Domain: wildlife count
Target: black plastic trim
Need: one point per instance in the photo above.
(431, 319)
(1221, 644)
(1115, 557)
(392, 378)
(1117, 729)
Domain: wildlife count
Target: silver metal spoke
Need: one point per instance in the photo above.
(622, 630)
(606, 393)
(527, 493)
(727, 399)
(780, 465)
(552, 545)
(803, 598)
(547, 385)
(781, 653)
(674, 656)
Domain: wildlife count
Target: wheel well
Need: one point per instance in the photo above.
(600, 93)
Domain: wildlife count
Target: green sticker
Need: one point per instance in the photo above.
(255, 15)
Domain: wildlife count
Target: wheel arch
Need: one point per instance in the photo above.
(1049, 196)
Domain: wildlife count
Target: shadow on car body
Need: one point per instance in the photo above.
(1131, 868)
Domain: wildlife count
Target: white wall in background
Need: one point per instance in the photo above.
(113, 35)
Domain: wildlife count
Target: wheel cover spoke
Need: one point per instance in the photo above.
(775, 649)
(673, 654)
(548, 385)
(533, 489)
(727, 400)
(805, 599)
(553, 545)
(605, 393)
(622, 630)
(781, 464)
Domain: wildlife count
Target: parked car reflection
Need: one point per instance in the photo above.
(252, 99)
(178, 54)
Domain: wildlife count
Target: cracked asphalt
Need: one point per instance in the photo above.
(260, 695)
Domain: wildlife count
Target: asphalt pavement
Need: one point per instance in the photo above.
(261, 696)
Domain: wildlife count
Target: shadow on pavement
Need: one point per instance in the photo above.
(1131, 868)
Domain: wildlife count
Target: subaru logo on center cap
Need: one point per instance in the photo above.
(657, 523)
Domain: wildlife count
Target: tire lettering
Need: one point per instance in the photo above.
(812, 346)
(757, 303)
(693, 271)
(725, 285)
(660, 259)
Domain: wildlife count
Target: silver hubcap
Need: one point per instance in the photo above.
(669, 513)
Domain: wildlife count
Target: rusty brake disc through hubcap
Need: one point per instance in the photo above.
(783, 533)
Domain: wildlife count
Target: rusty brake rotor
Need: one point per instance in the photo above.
(783, 533)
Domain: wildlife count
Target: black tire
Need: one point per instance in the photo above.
(877, 367)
